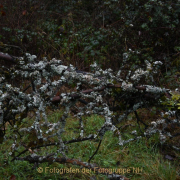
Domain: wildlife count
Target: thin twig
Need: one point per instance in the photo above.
(95, 151)
(55, 144)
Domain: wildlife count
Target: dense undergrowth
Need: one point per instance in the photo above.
(81, 32)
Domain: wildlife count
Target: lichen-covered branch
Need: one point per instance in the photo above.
(36, 93)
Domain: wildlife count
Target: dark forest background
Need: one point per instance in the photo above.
(80, 32)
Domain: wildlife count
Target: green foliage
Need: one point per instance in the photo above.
(173, 103)
(81, 32)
